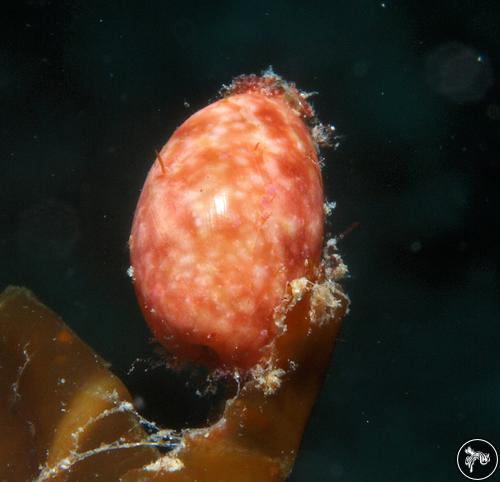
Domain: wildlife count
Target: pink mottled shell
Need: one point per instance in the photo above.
(231, 211)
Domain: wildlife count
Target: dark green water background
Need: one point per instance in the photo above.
(88, 91)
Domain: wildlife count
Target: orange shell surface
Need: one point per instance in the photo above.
(231, 211)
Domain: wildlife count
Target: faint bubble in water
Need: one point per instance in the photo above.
(416, 246)
(493, 111)
(336, 470)
(360, 69)
(139, 403)
(459, 72)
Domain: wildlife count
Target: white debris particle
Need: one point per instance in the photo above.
(325, 300)
(165, 464)
(340, 271)
(298, 287)
(65, 464)
(267, 379)
(335, 268)
(323, 134)
(328, 207)
(130, 272)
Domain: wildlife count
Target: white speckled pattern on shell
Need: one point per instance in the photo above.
(230, 215)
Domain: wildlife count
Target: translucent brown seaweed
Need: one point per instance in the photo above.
(65, 417)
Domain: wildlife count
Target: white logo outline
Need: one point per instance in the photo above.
(473, 456)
